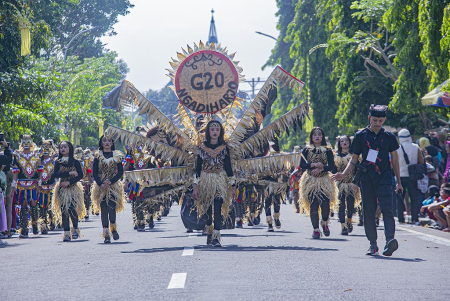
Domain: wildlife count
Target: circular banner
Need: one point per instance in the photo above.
(206, 82)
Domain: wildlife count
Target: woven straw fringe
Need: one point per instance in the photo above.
(161, 176)
(131, 95)
(210, 186)
(278, 76)
(316, 188)
(114, 194)
(64, 197)
(167, 152)
(161, 197)
(184, 118)
(267, 166)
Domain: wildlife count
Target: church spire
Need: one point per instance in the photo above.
(212, 30)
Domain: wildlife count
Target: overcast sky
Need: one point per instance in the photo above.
(155, 30)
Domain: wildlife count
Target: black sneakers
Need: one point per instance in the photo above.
(391, 247)
(115, 235)
(141, 227)
(277, 223)
(209, 240)
(270, 229)
(216, 243)
(107, 240)
(373, 251)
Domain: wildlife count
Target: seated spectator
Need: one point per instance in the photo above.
(435, 210)
(433, 195)
(446, 212)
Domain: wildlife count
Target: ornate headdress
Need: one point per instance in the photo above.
(48, 146)
(78, 153)
(378, 110)
(26, 141)
(215, 124)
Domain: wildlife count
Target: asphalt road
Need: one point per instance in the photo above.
(167, 263)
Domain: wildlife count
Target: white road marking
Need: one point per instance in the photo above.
(194, 234)
(177, 281)
(188, 251)
(429, 237)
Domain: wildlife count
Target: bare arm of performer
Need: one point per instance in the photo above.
(350, 166)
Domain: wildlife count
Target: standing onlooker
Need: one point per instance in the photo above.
(411, 152)
(375, 144)
(9, 178)
(447, 166)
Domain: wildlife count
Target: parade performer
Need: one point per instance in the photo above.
(49, 155)
(317, 190)
(107, 192)
(68, 201)
(26, 169)
(375, 144)
(349, 195)
(138, 159)
(240, 142)
(213, 181)
(87, 160)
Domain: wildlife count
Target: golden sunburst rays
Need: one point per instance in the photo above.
(187, 117)
(181, 56)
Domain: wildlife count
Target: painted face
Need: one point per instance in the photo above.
(344, 142)
(107, 143)
(317, 136)
(46, 150)
(26, 143)
(214, 132)
(64, 148)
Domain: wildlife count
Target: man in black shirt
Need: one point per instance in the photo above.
(375, 144)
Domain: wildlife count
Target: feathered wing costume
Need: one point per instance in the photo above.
(244, 138)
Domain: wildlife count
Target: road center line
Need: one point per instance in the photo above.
(188, 251)
(429, 237)
(177, 281)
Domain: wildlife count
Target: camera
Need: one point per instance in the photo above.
(359, 171)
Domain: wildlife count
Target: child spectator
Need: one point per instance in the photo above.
(435, 210)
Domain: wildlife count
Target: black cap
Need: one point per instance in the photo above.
(378, 110)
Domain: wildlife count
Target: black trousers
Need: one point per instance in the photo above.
(314, 210)
(413, 192)
(276, 204)
(108, 213)
(65, 218)
(217, 214)
(371, 193)
(344, 200)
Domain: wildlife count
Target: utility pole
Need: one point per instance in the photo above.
(253, 84)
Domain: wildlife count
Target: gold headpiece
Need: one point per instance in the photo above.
(215, 124)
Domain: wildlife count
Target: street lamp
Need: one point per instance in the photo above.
(68, 44)
(264, 34)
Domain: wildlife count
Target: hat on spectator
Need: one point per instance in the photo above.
(404, 136)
